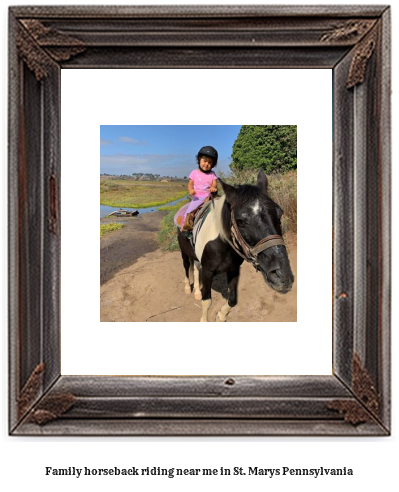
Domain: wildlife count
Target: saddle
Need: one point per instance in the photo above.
(193, 216)
(194, 220)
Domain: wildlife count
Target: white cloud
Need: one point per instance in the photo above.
(123, 160)
(132, 141)
(104, 141)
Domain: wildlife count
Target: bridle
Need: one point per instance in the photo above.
(246, 251)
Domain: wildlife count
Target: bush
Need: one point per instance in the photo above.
(272, 148)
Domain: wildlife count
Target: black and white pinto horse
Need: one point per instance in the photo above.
(244, 224)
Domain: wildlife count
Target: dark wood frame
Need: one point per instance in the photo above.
(353, 41)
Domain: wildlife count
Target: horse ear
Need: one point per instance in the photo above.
(262, 182)
(229, 191)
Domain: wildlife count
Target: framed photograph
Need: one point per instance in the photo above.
(150, 165)
(353, 44)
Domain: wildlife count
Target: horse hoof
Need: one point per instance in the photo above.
(187, 289)
(221, 316)
(198, 296)
(202, 320)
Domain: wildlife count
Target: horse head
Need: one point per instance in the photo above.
(257, 219)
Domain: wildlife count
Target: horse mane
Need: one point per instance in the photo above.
(244, 193)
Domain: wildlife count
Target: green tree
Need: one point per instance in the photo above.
(268, 147)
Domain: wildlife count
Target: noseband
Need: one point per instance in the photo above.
(247, 252)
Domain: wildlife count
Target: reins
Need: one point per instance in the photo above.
(247, 252)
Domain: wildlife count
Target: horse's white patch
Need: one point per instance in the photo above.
(256, 207)
(211, 228)
(197, 290)
(224, 311)
(205, 308)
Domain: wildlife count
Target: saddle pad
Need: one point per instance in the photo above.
(200, 219)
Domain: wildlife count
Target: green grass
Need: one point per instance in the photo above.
(172, 208)
(106, 228)
(139, 194)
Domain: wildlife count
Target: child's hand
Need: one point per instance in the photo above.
(192, 192)
(213, 189)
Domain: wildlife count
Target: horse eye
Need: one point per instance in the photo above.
(241, 223)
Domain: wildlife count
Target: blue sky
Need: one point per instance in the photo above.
(168, 150)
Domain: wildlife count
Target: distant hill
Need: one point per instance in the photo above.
(142, 177)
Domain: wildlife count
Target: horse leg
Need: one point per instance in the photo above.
(232, 279)
(191, 271)
(187, 263)
(207, 276)
(197, 290)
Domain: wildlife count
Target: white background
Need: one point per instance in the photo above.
(112, 97)
(374, 460)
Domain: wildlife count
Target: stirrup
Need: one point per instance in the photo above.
(188, 234)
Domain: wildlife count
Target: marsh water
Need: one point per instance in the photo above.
(106, 209)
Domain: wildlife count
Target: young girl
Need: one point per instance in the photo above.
(201, 182)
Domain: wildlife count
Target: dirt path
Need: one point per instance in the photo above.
(140, 282)
(123, 248)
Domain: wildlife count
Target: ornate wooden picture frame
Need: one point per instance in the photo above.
(353, 42)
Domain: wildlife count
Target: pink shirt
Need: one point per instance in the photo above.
(202, 181)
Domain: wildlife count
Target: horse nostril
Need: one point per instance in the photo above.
(276, 274)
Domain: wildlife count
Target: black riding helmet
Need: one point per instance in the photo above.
(209, 152)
